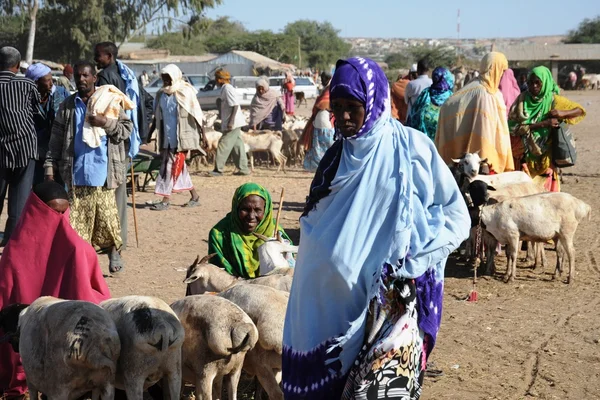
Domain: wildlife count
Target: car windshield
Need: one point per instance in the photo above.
(303, 82)
(198, 80)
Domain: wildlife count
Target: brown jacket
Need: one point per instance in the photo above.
(61, 152)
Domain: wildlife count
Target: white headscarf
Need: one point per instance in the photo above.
(183, 91)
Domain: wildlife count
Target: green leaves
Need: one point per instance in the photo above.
(587, 32)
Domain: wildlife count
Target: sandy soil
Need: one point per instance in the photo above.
(533, 338)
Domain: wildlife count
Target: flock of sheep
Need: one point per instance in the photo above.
(222, 326)
(510, 207)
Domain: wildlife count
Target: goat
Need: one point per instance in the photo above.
(151, 339)
(271, 253)
(68, 348)
(203, 277)
(536, 218)
(270, 141)
(266, 307)
(218, 334)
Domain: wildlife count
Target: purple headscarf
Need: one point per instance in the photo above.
(363, 80)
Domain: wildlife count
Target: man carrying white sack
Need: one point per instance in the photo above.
(87, 150)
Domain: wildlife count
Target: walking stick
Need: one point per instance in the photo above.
(279, 212)
(137, 241)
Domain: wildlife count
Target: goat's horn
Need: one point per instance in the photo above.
(261, 237)
(205, 259)
(197, 260)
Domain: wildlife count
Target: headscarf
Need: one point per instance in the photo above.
(236, 251)
(262, 105)
(68, 69)
(537, 108)
(356, 78)
(423, 116)
(37, 71)
(510, 89)
(289, 78)
(492, 68)
(222, 74)
(183, 91)
(381, 197)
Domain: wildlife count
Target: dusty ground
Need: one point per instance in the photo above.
(533, 338)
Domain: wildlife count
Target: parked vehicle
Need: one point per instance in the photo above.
(198, 81)
(245, 89)
(304, 84)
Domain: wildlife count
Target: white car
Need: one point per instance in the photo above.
(245, 89)
(197, 81)
(304, 84)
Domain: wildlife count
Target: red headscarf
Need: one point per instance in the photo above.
(44, 257)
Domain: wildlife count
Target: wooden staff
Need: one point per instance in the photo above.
(137, 241)
(279, 212)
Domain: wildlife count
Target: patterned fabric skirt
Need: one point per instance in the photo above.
(174, 175)
(95, 217)
(322, 140)
(391, 364)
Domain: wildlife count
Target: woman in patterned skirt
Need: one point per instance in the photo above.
(382, 216)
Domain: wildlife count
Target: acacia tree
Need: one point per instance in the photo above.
(27, 9)
(587, 32)
(130, 18)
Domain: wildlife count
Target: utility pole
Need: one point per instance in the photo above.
(299, 53)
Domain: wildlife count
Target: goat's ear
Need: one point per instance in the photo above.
(456, 160)
(491, 188)
(261, 237)
(483, 161)
(205, 259)
(477, 152)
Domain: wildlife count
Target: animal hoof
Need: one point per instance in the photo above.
(508, 279)
(569, 280)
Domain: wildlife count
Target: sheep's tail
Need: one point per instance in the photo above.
(243, 337)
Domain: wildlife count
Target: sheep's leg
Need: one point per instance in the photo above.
(570, 250)
(33, 392)
(172, 384)
(490, 251)
(268, 382)
(252, 161)
(232, 381)
(217, 388)
(512, 252)
(530, 257)
(559, 260)
(107, 392)
(204, 386)
(134, 389)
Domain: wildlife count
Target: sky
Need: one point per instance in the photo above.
(417, 19)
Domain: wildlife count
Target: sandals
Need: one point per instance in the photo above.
(192, 203)
(160, 206)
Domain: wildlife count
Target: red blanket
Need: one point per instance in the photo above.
(44, 257)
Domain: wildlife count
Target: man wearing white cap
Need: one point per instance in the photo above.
(415, 87)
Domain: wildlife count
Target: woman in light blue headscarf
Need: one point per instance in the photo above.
(382, 216)
(425, 112)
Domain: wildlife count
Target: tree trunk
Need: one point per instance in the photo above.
(32, 26)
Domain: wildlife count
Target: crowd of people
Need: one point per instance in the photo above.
(366, 327)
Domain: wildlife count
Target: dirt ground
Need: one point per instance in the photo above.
(533, 338)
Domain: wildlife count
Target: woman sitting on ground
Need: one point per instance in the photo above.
(267, 110)
(531, 119)
(232, 238)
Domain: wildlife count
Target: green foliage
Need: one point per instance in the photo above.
(438, 56)
(177, 43)
(398, 60)
(587, 32)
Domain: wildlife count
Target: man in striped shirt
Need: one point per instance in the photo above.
(19, 99)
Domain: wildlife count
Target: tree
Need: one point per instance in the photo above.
(587, 32)
(27, 9)
(320, 43)
(438, 56)
(398, 60)
(129, 18)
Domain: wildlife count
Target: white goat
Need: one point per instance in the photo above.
(203, 277)
(536, 218)
(218, 334)
(271, 253)
(68, 348)
(266, 307)
(470, 163)
(270, 141)
(151, 339)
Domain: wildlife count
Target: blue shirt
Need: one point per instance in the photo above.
(91, 164)
(168, 106)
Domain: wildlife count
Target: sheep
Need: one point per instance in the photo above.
(212, 141)
(290, 145)
(469, 165)
(536, 218)
(203, 277)
(218, 334)
(151, 340)
(266, 307)
(270, 141)
(68, 348)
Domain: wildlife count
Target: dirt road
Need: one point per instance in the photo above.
(532, 338)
